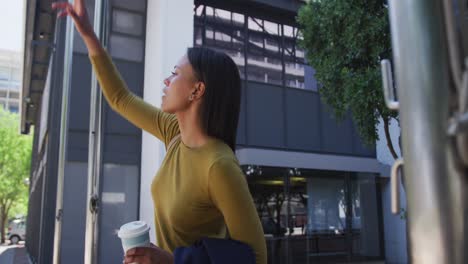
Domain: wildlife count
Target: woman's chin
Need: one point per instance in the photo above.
(165, 109)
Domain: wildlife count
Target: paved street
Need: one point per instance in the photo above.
(16, 254)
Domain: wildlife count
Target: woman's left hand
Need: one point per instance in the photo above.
(148, 255)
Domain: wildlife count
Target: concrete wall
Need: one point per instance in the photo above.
(169, 32)
(394, 225)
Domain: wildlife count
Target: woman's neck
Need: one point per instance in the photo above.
(191, 131)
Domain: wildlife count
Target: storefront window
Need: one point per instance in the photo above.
(317, 217)
(365, 222)
(268, 192)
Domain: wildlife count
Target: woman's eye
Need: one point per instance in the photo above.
(173, 73)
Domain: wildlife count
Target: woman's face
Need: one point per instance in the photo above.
(179, 87)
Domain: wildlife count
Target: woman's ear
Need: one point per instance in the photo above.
(199, 90)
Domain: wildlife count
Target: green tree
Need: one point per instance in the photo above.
(15, 164)
(345, 41)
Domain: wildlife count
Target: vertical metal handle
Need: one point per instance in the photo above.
(395, 186)
(387, 84)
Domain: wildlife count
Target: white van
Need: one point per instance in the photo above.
(16, 231)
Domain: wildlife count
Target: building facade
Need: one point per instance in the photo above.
(320, 192)
(10, 80)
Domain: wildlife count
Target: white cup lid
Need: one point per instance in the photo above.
(133, 229)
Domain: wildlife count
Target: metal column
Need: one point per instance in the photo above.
(67, 73)
(434, 186)
(94, 150)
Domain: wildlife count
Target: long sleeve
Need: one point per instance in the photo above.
(229, 191)
(142, 114)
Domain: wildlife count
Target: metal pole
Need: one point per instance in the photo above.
(433, 185)
(94, 153)
(67, 71)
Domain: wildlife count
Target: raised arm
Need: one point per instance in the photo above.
(142, 114)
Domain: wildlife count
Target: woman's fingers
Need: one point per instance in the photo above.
(72, 12)
(77, 13)
(80, 6)
(140, 255)
(60, 5)
(62, 14)
(65, 9)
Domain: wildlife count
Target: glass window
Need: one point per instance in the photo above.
(223, 15)
(238, 40)
(126, 48)
(127, 22)
(209, 11)
(365, 221)
(14, 95)
(4, 73)
(272, 44)
(255, 24)
(271, 27)
(198, 36)
(294, 75)
(288, 31)
(238, 19)
(327, 206)
(14, 109)
(16, 75)
(310, 83)
(209, 33)
(264, 69)
(199, 10)
(223, 38)
(272, 48)
(270, 199)
(135, 5)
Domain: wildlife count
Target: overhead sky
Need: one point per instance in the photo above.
(11, 24)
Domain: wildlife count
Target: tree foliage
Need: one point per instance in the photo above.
(15, 163)
(345, 41)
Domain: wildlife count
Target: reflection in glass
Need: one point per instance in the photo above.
(271, 48)
(270, 200)
(365, 223)
(127, 22)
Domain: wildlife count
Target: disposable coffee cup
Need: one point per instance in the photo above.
(134, 234)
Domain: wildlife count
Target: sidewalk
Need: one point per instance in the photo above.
(13, 254)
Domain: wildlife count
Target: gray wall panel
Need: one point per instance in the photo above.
(80, 92)
(122, 149)
(303, 120)
(119, 205)
(132, 73)
(74, 213)
(242, 119)
(310, 124)
(122, 140)
(359, 147)
(116, 124)
(265, 126)
(77, 148)
(337, 136)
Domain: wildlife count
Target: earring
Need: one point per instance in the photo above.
(191, 97)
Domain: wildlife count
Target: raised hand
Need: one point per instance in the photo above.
(78, 13)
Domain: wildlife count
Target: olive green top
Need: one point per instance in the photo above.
(197, 192)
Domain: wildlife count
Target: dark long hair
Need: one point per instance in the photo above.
(221, 102)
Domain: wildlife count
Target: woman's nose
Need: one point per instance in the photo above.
(166, 82)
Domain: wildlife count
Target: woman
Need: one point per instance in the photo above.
(199, 189)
